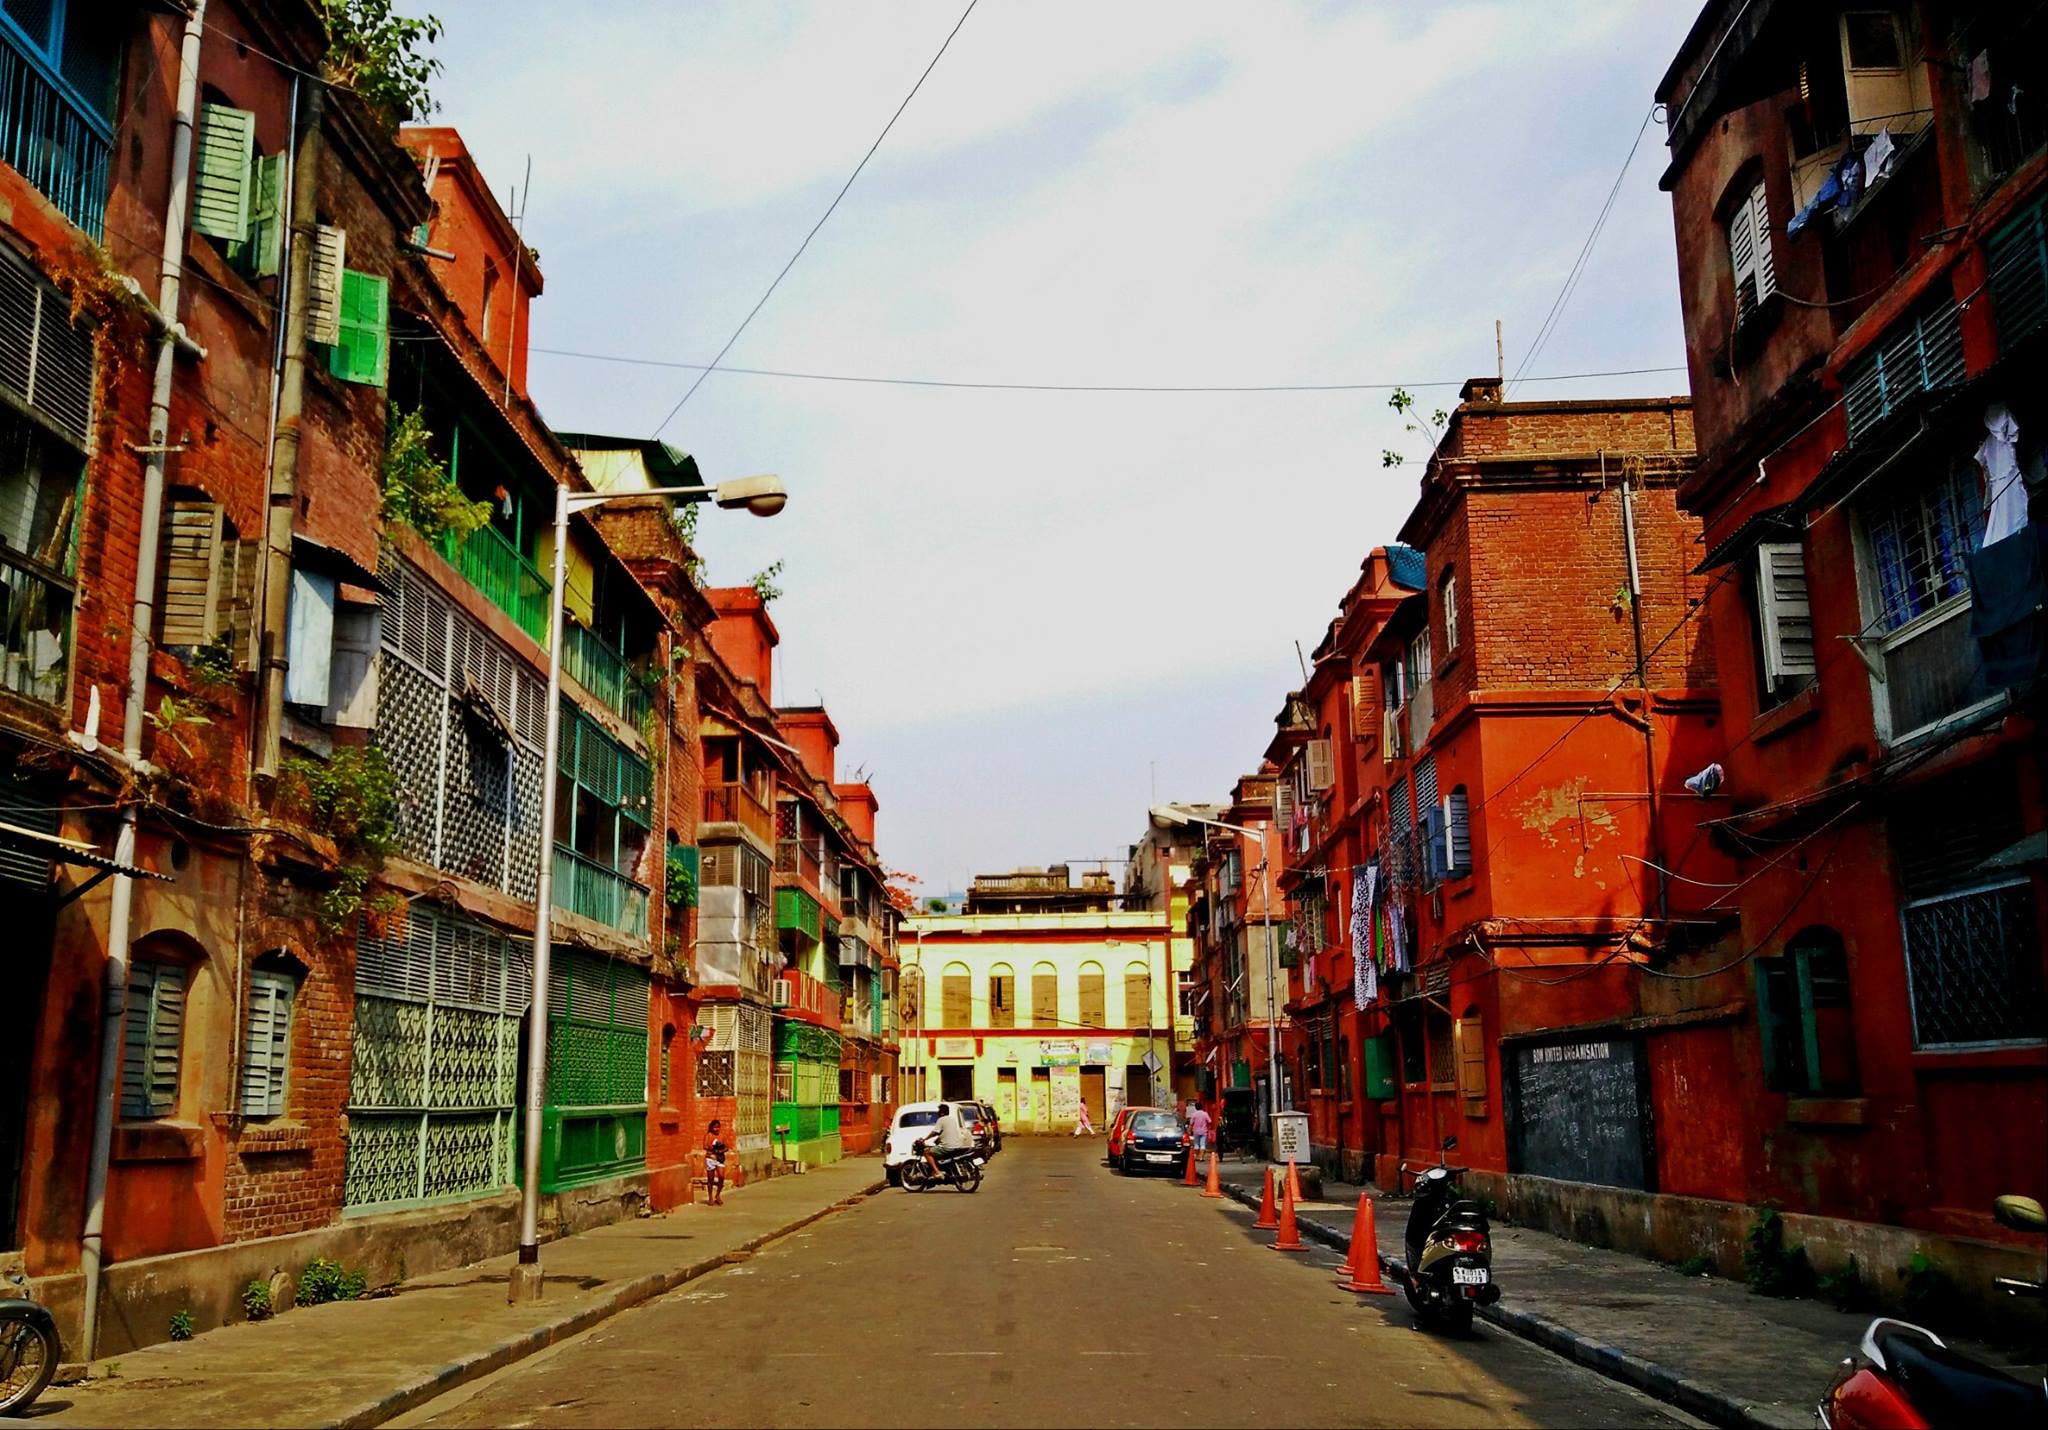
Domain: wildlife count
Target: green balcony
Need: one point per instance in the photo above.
(794, 909)
(597, 666)
(513, 584)
(587, 888)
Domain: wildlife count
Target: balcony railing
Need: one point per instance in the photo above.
(35, 630)
(793, 856)
(808, 999)
(736, 804)
(54, 142)
(586, 887)
(600, 669)
(514, 585)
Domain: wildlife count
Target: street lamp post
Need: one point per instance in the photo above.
(763, 496)
(1173, 814)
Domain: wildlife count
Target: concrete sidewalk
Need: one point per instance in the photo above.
(363, 1362)
(1706, 1345)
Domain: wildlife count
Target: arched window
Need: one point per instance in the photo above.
(1803, 1015)
(153, 1032)
(956, 997)
(1137, 996)
(1045, 996)
(1002, 997)
(274, 981)
(1094, 997)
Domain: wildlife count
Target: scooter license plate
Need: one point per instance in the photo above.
(979, 1163)
(1470, 1276)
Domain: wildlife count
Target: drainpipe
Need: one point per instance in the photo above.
(1635, 612)
(142, 621)
(284, 448)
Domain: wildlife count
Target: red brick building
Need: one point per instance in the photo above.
(1858, 196)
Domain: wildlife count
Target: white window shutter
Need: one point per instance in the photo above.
(223, 171)
(1760, 232)
(190, 609)
(1784, 617)
(1321, 766)
(309, 639)
(352, 685)
(266, 215)
(1283, 804)
(323, 280)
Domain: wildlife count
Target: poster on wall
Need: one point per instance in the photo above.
(1066, 1095)
(953, 1048)
(1098, 1055)
(1063, 1054)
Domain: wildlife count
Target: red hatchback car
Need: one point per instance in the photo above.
(1117, 1126)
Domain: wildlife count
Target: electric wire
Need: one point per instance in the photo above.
(830, 208)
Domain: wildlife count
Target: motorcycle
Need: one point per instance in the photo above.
(1449, 1271)
(960, 1167)
(1908, 1379)
(28, 1351)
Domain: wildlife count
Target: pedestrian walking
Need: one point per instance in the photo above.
(714, 1165)
(1198, 1127)
(1082, 1126)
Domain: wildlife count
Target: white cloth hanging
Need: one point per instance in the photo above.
(2005, 493)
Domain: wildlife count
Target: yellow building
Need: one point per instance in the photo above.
(1042, 1013)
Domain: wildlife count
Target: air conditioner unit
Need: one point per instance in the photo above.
(780, 993)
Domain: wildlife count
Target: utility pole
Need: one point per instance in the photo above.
(1631, 474)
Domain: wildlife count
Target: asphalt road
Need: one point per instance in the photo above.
(1060, 1294)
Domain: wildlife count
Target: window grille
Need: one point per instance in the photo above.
(1922, 353)
(1973, 960)
(1920, 546)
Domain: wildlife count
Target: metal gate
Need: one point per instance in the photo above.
(433, 1090)
(594, 1122)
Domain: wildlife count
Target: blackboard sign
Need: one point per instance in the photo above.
(1578, 1111)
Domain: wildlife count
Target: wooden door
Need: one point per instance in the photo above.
(1006, 1098)
(1094, 1083)
(1137, 1085)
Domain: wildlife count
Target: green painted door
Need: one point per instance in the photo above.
(594, 1119)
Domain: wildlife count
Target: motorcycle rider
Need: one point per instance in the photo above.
(949, 1133)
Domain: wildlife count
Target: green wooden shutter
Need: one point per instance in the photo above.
(262, 254)
(266, 1051)
(1808, 1079)
(360, 353)
(152, 1039)
(221, 187)
(1766, 1024)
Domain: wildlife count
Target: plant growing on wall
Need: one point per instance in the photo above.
(1430, 429)
(418, 490)
(181, 1325)
(381, 56)
(1771, 1267)
(679, 883)
(352, 797)
(172, 717)
(764, 585)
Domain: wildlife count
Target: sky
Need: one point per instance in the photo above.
(1031, 613)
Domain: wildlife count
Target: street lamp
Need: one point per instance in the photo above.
(763, 496)
(1169, 816)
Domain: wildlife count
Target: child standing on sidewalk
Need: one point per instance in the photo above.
(714, 1165)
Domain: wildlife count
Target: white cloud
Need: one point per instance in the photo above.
(1091, 193)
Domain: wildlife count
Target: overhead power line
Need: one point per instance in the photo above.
(973, 386)
(1578, 268)
(770, 292)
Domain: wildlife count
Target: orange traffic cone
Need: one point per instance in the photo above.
(1215, 1186)
(1188, 1180)
(1290, 1234)
(1267, 1221)
(1362, 1265)
(1293, 1181)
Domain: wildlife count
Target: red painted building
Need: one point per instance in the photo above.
(1858, 195)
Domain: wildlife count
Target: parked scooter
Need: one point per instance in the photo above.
(28, 1351)
(1449, 1271)
(1907, 1379)
(960, 1167)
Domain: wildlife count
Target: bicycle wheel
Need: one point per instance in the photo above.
(28, 1358)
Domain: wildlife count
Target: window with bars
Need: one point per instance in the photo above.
(1917, 540)
(153, 1039)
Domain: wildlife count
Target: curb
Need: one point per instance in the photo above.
(1648, 1376)
(627, 1295)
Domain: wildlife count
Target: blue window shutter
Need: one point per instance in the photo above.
(361, 352)
(1767, 1023)
(309, 639)
(222, 172)
(266, 1055)
(135, 1040)
(151, 1039)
